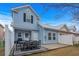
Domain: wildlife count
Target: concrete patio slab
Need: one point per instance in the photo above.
(54, 46)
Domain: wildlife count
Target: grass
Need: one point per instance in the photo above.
(1, 44)
(67, 51)
(2, 48)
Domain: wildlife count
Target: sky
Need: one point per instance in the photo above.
(45, 17)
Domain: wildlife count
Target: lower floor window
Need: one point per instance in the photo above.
(19, 39)
(26, 35)
(19, 34)
(49, 36)
(54, 38)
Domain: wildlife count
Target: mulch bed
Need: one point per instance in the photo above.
(2, 51)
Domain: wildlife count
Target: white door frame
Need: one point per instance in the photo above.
(51, 41)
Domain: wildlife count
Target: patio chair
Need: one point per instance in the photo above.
(18, 47)
(34, 45)
(21, 46)
(30, 46)
(39, 44)
(25, 45)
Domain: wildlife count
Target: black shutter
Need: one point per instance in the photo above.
(24, 17)
(31, 19)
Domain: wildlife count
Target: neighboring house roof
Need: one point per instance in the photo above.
(63, 27)
(72, 28)
(1, 25)
(49, 26)
(25, 6)
(1, 32)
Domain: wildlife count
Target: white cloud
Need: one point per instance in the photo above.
(4, 19)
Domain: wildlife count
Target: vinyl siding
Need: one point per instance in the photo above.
(18, 18)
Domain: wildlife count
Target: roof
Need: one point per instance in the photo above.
(49, 26)
(58, 28)
(52, 26)
(26, 6)
(1, 25)
(72, 27)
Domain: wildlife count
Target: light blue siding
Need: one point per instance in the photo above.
(22, 26)
(22, 32)
(52, 40)
(18, 19)
(40, 34)
(44, 36)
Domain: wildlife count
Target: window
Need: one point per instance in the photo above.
(26, 35)
(19, 39)
(49, 36)
(28, 18)
(54, 36)
(19, 34)
(24, 17)
(31, 18)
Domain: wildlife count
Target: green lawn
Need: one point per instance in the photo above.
(2, 48)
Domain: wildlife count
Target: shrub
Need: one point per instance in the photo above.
(76, 43)
(2, 43)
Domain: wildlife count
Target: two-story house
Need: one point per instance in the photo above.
(25, 23)
(26, 26)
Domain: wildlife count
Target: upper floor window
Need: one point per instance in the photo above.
(24, 17)
(27, 18)
(31, 18)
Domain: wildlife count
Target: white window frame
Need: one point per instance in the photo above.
(54, 36)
